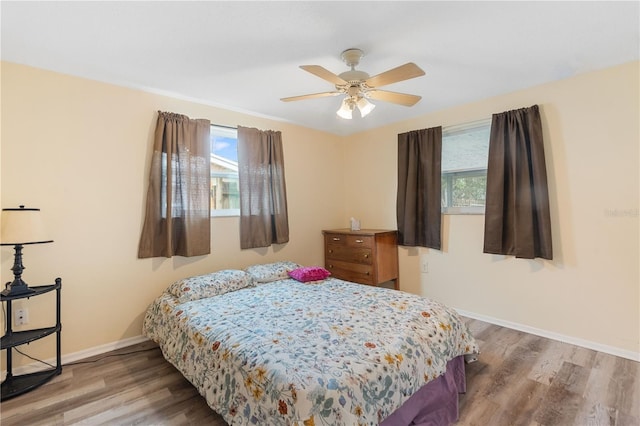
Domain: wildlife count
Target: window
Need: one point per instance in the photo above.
(225, 195)
(465, 150)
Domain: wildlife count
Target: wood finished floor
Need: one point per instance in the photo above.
(519, 379)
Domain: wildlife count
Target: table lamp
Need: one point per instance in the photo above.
(20, 226)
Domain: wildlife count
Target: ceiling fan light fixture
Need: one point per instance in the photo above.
(365, 106)
(346, 109)
(357, 86)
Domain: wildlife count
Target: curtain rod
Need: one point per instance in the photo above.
(225, 127)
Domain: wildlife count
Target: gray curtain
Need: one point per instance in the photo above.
(177, 218)
(517, 220)
(263, 194)
(418, 205)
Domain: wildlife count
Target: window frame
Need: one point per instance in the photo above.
(462, 174)
(475, 172)
(224, 212)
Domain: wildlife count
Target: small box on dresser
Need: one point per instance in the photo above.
(367, 256)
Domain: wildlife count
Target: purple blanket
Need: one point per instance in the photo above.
(436, 403)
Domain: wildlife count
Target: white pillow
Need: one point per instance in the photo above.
(269, 272)
(209, 285)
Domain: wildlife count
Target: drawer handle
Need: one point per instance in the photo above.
(359, 241)
(336, 238)
(330, 266)
(366, 256)
(368, 273)
(330, 251)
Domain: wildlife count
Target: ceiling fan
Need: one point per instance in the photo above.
(359, 87)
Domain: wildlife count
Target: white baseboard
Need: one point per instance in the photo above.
(634, 356)
(77, 356)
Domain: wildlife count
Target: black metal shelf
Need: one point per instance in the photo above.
(18, 338)
(34, 291)
(17, 385)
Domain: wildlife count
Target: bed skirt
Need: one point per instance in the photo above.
(436, 403)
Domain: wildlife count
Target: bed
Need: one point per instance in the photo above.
(264, 348)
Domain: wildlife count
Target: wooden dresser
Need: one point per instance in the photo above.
(368, 256)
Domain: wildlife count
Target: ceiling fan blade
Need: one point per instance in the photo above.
(403, 72)
(310, 96)
(394, 97)
(323, 73)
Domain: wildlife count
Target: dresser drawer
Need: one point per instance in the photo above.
(349, 240)
(354, 272)
(348, 254)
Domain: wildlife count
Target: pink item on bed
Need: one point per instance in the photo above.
(309, 273)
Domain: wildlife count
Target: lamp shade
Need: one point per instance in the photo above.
(22, 226)
(365, 107)
(346, 109)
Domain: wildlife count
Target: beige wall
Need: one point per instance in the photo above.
(590, 291)
(79, 150)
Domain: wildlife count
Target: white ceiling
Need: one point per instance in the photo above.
(244, 56)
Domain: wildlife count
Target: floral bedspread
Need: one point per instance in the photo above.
(289, 353)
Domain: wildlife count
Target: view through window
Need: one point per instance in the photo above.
(225, 194)
(465, 150)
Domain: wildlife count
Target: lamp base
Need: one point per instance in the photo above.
(16, 288)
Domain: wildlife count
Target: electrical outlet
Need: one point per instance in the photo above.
(424, 266)
(21, 316)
